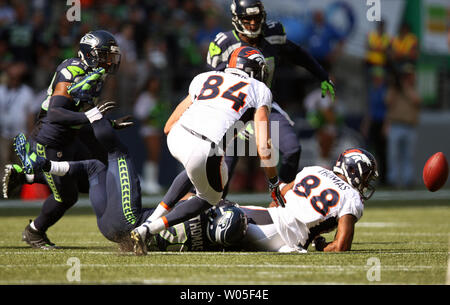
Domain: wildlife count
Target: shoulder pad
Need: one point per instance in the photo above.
(70, 69)
(221, 47)
(224, 39)
(274, 32)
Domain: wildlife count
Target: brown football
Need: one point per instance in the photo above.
(435, 172)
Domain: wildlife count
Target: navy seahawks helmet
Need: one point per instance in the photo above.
(244, 9)
(251, 61)
(226, 225)
(99, 49)
(359, 168)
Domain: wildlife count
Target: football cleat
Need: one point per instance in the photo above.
(13, 178)
(139, 238)
(37, 239)
(29, 159)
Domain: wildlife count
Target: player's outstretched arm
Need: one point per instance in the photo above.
(264, 148)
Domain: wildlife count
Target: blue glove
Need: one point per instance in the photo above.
(88, 88)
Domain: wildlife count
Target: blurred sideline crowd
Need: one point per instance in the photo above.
(164, 44)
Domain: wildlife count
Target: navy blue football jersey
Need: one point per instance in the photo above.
(58, 134)
(186, 236)
(70, 70)
(274, 45)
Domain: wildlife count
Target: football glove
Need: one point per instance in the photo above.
(319, 243)
(88, 88)
(274, 188)
(327, 86)
(106, 106)
(123, 122)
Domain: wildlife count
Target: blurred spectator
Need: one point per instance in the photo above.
(404, 48)
(20, 35)
(126, 78)
(207, 33)
(378, 43)
(17, 106)
(152, 111)
(322, 117)
(403, 107)
(373, 127)
(324, 42)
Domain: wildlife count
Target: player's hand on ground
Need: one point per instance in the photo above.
(122, 122)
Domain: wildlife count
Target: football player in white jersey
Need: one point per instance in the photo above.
(317, 201)
(199, 130)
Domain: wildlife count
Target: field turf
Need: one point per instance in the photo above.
(396, 242)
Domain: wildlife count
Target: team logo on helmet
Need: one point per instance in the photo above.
(90, 39)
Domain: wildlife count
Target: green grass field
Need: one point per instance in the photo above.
(409, 238)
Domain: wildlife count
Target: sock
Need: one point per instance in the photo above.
(33, 226)
(180, 186)
(29, 178)
(186, 210)
(93, 115)
(59, 168)
(161, 210)
(158, 225)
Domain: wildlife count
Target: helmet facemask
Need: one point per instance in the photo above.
(99, 49)
(241, 19)
(359, 169)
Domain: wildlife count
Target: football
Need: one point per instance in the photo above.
(435, 172)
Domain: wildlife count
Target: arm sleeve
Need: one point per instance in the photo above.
(58, 112)
(301, 57)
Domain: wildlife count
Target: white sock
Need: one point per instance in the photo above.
(29, 178)
(93, 115)
(161, 210)
(59, 168)
(157, 225)
(33, 226)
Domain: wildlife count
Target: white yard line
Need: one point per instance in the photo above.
(250, 198)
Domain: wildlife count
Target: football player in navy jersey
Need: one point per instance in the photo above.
(55, 135)
(251, 28)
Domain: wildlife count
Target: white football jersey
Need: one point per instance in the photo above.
(314, 204)
(220, 99)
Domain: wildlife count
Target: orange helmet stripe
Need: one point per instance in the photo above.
(234, 56)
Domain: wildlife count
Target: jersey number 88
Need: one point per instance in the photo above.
(328, 198)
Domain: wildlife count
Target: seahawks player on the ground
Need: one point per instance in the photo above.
(55, 135)
(251, 28)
